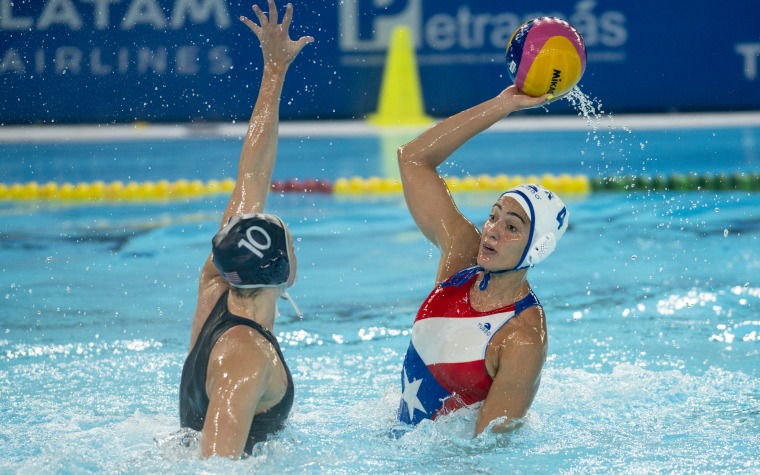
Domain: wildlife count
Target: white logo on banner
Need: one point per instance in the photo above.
(128, 56)
(750, 52)
(351, 39)
(139, 12)
(366, 27)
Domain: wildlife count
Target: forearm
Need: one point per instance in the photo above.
(258, 156)
(435, 145)
(260, 146)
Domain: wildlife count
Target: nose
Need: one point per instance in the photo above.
(490, 230)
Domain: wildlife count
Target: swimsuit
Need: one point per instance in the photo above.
(193, 400)
(444, 368)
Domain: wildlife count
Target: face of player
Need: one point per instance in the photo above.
(504, 236)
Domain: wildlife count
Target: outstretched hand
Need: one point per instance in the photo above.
(278, 49)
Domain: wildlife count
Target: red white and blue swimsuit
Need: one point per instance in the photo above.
(444, 368)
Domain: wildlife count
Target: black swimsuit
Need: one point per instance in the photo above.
(193, 400)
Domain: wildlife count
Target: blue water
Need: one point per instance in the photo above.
(652, 302)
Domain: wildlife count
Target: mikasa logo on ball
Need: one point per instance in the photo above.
(556, 79)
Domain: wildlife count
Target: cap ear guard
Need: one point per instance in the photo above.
(541, 249)
(548, 221)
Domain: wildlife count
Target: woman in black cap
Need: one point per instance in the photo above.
(236, 387)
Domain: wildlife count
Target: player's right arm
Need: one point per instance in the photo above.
(239, 373)
(427, 196)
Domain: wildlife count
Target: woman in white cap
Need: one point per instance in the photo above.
(480, 336)
(236, 387)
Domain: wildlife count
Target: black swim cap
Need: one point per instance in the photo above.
(252, 251)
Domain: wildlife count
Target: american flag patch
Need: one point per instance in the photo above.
(232, 278)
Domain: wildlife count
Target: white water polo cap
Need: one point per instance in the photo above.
(548, 221)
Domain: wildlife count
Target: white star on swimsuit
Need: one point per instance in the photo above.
(410, 396)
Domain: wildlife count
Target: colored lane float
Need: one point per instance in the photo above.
(163, 190)
(114, 191)
(482, 183)
(679, 182)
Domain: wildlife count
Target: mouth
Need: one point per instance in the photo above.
(486, 249)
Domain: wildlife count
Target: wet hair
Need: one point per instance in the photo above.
(245, 293)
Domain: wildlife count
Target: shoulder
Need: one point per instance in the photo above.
(244, 366)
(527, 327)
(243, 352)
(245, 341)
(523, 340)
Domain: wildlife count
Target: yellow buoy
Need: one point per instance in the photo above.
(341, 185)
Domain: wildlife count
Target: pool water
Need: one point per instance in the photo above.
(652, 301)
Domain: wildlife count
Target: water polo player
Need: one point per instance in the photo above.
(236, 387)
(480, 336)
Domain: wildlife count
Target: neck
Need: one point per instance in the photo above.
(261, 308)
(503, 289)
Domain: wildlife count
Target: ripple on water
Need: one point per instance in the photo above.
(116, 412)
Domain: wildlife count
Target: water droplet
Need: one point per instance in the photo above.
(725, 233)
(634, 257)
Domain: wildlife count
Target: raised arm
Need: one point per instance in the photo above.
(259, 152)
(425, 191)
(260, 146)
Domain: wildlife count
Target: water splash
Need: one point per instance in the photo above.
(619, 153)
(587, 107)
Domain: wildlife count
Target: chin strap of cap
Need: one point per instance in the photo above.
(458, 279)
(286, 296)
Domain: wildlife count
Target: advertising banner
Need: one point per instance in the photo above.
(115, 61)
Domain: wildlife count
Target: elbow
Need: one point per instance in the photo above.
(401, 156)
(405, 158)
